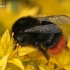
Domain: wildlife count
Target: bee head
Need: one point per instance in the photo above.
(22, 39)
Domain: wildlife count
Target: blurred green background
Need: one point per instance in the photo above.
(11, 10)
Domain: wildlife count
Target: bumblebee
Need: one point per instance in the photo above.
(41, 32)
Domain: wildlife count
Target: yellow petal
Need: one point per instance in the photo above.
(68, 44)
(5, 40)
(2, 52)
(25, 50)
(5, 45)
(17, 62)
(11, 46)
(41, 68)
(5, 37)
(64, 58)
(66, 67)
(53, 60)
(3, 62)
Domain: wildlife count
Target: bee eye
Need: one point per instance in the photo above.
(19, 38)
(20, 31)
(22, 38)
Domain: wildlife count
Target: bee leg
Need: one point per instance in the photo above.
(43, 51)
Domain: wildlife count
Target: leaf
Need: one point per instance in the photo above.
(17, 62)
(3, 62)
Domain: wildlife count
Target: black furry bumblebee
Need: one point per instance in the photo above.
(41, 32)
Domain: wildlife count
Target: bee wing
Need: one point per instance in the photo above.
(57, 19)
(51, 28)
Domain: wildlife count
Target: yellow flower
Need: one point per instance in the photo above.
(28, 57)
(8, 54)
